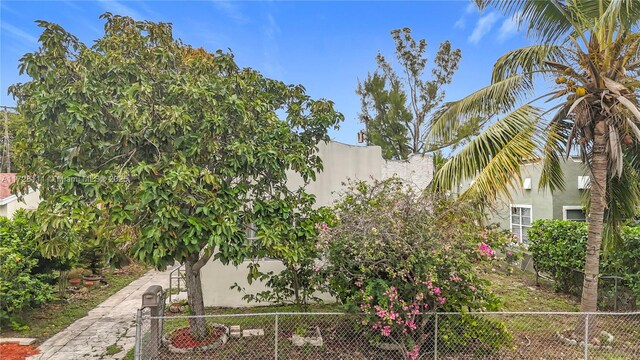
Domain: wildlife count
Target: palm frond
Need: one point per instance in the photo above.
(493, 158)
(528, 60)
(623, 195)
(499, 97)
(556, 137)
(546, 21)
(624, 12)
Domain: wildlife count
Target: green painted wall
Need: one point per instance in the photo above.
(541, 202)
(544, 205)
(571, 196)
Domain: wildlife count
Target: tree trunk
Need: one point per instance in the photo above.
(599, 168)
(198, 326)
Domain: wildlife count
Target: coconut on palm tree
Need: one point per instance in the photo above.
(588, 50)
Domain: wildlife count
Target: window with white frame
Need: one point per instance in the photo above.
(574, 213)
(250, 232)
(520, 221)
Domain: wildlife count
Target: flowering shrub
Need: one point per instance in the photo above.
(398, 256)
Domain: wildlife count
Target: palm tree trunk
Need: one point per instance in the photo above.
(599, 167)
(197, 326)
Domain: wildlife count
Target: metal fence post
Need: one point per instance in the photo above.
(435, 339)
(586, 337)
(276, 338)
(615, 299)
(136, 351)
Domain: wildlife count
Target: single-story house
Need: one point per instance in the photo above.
(341, 162)
(9, 203)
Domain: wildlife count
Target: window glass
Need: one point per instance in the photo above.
(520, 222)
(575, 215)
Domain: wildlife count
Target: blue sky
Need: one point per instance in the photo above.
(326, 46)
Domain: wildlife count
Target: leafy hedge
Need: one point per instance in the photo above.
(22, 285)
(559, 247)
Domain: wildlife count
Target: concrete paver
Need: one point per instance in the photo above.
(20, 341)
(111, 322)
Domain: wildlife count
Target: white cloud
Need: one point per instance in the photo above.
(271, 28)
(483, 26)
(508, 28)
(73, 5)
(271, 51)
(5, 7)
(18, 33)
(118, 8)
(471, 8)
(462, 21)
(231, 10)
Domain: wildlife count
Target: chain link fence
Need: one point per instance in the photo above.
(614, 292)
(149, 333)
(523, 335)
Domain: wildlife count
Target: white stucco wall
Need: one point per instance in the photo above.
(341, 163)
(417, 170)
(217, 280)
(10, 205)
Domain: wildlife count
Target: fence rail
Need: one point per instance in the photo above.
(176, 276)
(489, 335)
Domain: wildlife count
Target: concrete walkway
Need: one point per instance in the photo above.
(112, 322)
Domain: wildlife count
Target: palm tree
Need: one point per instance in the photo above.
(591, 50)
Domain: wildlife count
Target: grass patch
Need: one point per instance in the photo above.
(113, 349)
(52, 318)
(519, 292)
(174, 321)
(129, 355)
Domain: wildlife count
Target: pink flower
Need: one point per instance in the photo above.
(386, 330)
(411, 324)
(322, 227)
(485, 250)
(413, 355)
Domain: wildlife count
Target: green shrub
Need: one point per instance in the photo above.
(21, 286)
(625, 262)
(558, 249)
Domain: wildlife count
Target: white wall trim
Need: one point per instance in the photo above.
(12, 198)
(8, 199)
(526, 206)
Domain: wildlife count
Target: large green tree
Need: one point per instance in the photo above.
(396, 107)
(590, 49)
(175, 148)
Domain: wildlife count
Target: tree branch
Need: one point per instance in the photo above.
(202, 261)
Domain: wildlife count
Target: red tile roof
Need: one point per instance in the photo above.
(6, 179)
